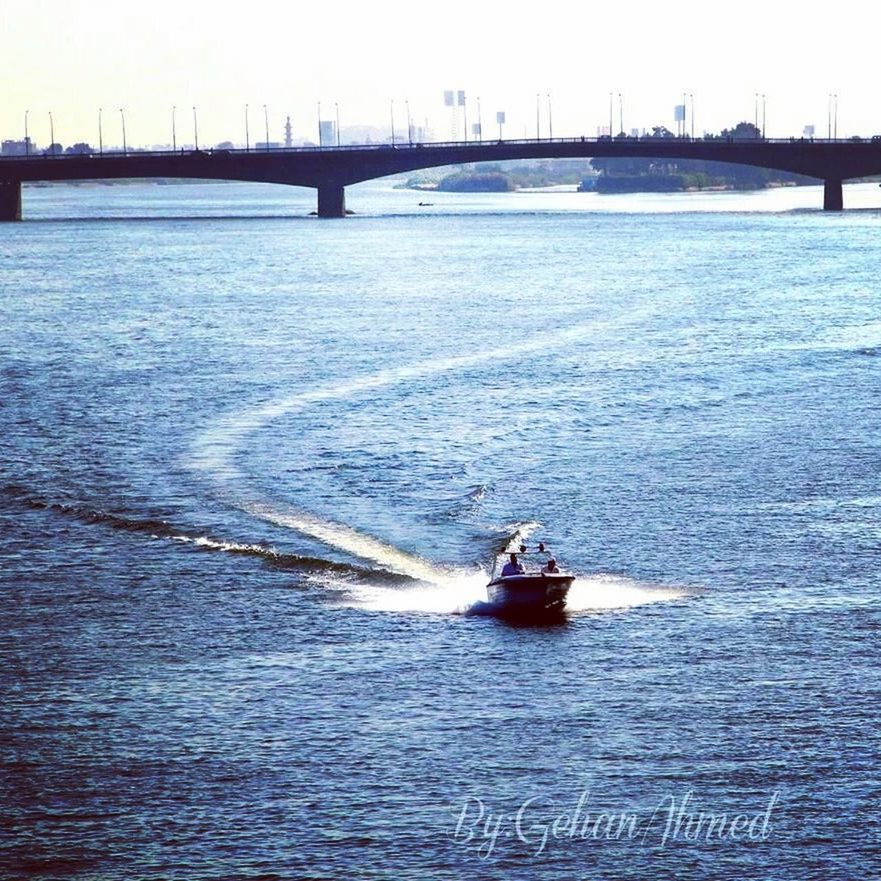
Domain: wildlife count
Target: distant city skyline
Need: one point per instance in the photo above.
(356, 59)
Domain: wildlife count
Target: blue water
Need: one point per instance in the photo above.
(256, 468)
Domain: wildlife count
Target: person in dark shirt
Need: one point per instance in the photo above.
(513, 567)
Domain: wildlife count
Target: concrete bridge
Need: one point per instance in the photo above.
(331, 169)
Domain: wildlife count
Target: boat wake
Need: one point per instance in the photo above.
(216, 454)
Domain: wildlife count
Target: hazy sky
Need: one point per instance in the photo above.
(72, 58)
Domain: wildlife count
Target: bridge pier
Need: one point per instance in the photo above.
(331, 200)
(833, 197)
(10, 200)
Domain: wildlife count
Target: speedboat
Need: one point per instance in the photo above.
(531, 591)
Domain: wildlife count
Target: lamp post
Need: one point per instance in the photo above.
(393, 120)
(100, 132)
(174, 127)
(835, 117)
(537, 116)
(336, 108)
(550, 119)
(611, 123)
(247, 132)
(756, 113)
(479, 121)
(27, 140)
(51, 134)
(764, 131)
(691, 96)
(124, 142)
(195, 127)
(320, 141)
(621, 113)
(266, 124)
(465, 114)
(409, 122)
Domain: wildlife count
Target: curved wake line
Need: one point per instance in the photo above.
(214, 451)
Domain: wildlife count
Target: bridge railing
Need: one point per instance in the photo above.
(425, 145)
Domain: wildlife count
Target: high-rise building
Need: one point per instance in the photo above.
(327, 133)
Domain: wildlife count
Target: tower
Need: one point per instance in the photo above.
(287, 132)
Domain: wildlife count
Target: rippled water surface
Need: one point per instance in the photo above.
(256, 469)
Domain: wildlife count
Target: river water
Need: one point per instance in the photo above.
(256, 468)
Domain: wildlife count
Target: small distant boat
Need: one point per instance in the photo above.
(529, 592)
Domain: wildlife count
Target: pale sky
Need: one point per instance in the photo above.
(71, 58)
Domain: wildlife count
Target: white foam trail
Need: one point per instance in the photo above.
(350, 540)
(605, 592)
(465, 594)
(458, 596)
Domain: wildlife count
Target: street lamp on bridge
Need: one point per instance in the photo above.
(195, 127)
(266, 124)
(174, 127)
(832, 114)
(27, 142)
(100, 131)
(247, 133)
(51, 135)
(124, 143)
(550, 118)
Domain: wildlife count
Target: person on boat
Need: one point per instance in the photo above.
(550, 567)
(513, 567)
